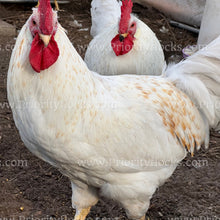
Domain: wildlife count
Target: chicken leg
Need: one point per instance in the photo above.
(56, 5)
(81, 214)
(55, 2)
(143, 218)
(37, 4)
(83, 198)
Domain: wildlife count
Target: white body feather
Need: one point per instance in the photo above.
(117, 134)
(104, 14)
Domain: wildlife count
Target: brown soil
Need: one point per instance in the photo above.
(37, 190)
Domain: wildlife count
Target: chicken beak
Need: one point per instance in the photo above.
(45, 39)
(122, 36)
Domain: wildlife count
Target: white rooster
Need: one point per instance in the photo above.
(119, 136)
(122, 43)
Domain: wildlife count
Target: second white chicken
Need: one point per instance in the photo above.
(122, 43)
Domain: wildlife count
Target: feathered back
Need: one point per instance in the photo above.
(126, 10)
(104, 13)
(199, 78)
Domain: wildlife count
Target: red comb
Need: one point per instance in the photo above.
(126, 10)
(46, 16)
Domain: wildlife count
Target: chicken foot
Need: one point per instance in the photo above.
(81, 214)
(37, 4)
(56, 5)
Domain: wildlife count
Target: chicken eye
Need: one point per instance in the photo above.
(34, 22)
(132, 25)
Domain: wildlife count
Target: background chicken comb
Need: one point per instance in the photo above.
(126, 10)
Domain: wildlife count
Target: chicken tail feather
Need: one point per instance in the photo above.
(199, 77)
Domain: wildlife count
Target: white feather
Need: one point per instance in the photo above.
(104, 13)
(199, 78)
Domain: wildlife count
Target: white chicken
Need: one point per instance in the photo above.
(122, 43)
(209, 29)
(119, 136)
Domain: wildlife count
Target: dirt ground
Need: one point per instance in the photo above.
(31, 189)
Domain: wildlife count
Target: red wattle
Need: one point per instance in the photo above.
(42, 57)
(122, 47)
